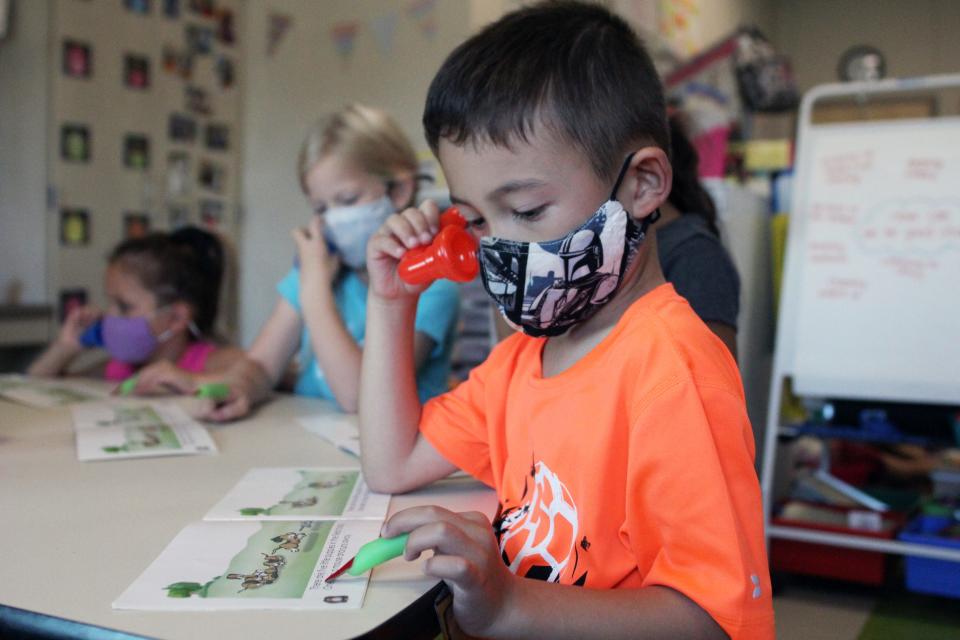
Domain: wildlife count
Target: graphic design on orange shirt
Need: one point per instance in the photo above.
(538, 539)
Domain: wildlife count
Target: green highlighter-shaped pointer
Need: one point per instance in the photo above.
(127, 386)
(372, 554)
(211, 390)
(214, 391)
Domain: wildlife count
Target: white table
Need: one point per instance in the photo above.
(74, 535)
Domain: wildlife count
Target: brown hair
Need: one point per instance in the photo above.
(183, 266)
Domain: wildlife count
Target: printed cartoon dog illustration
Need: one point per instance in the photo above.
(303, 502)
(289, 541)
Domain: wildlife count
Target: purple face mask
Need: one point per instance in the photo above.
(128, 339)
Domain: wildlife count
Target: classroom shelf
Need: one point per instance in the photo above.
(859, 542)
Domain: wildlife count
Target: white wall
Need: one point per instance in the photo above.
(305, 78)
(23, 151)
(919, 37)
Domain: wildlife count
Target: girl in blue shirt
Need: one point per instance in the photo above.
(356, 169)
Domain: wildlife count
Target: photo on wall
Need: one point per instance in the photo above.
(224, 70)
(211, 213)
(178, 174)
(75, 143)
(199, 39)
(211, 176)
(178, 215)
(71, 299)
(182, 128)
(136, 151)
(136, 71)
(225, 33)
(74, 227)
(77, 59)
(137, 6)
(202, 7)
(135, 225)
(217, 137)
(177, 62)
(171, 8)
(197, 101)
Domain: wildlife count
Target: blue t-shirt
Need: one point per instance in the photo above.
(436, 317)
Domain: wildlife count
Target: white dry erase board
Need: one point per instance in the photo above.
(871, 297)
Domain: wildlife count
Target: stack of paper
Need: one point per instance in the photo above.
(296, 526)
(137, 429)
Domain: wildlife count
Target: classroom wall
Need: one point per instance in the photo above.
(306, 76)
(917, 37)
(24, 96)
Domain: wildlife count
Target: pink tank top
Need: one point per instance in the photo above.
(194, 360)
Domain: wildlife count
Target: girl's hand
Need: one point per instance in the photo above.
(75, 324)
(466, 557)
(402, 231)
(317, 265)
(164, 377)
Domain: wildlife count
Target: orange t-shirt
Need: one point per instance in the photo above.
(633, 467)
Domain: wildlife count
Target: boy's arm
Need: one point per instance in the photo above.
(490, 601)
(395, 457)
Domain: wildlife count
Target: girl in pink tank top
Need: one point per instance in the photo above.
(163, 290)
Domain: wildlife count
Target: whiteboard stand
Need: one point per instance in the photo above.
(785, 353)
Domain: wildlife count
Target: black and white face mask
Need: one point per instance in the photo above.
(544, 288)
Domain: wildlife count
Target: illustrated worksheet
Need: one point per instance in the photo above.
(45, 393)
(329, 493)
(254, 565)
(341, 431)
(137, 429)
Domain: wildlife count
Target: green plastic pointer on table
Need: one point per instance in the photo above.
(372, 554)
(214, 391)
(127, 386)
(211, 390)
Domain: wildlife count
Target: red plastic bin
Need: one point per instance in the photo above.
(841, 563)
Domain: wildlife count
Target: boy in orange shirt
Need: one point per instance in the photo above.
(613, 426)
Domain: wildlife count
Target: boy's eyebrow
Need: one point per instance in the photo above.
(504, 189)
(515, 185)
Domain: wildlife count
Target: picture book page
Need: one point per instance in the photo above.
(330, 493)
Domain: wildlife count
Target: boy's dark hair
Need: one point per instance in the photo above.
(183, 266)
(687, 193)
(575, 67)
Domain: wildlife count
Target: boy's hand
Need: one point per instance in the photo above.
(75, 324)
(402, 231)
(466, 557)
(318, 267)
(164, 377)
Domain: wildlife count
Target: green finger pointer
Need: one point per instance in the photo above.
(211, 390)
(372, 554)
(377, 552)
(214, 391)
(127, 386)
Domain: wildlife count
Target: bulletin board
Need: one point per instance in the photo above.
(144, 130)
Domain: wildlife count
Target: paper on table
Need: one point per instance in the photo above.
(340, 430)
(45, 393)
(118, 429)
(254, 565)
(323, 493)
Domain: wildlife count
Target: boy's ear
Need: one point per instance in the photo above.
(400, 190)
(647, 182)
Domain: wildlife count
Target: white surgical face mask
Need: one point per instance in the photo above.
(349, 228)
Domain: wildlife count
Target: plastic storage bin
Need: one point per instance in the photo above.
(810, 558)
(928, 575)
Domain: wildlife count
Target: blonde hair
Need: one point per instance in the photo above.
(365, 136)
